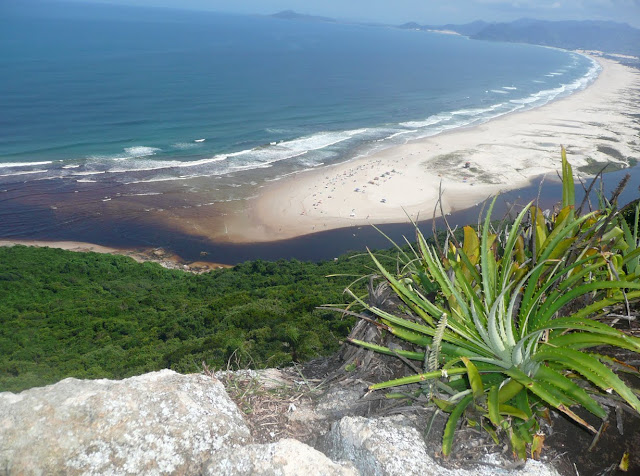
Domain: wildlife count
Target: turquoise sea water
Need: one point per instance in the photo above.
(132, 96)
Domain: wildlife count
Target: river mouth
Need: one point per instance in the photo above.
(129, 227)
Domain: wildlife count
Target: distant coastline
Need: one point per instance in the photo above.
(616, 39)
(445, 32)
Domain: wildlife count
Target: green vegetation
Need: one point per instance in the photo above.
(88, 315)
(504, 324)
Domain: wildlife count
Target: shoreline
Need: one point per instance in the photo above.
(472, 163)
(154, 255)
(289, 215)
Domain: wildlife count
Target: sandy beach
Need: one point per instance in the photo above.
(596, 125)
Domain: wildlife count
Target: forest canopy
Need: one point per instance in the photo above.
(87, 315)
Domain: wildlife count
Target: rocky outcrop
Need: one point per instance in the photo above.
(386, 446)
(158, 423)
(167, 423)
(286, 457)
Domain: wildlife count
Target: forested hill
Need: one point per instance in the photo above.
(88, 315)
(610, 37)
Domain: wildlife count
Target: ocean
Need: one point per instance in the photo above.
(121, 111)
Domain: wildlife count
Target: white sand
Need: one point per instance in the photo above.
(504, 153)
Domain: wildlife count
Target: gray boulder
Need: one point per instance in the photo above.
(158, 423)
(286, 457)
(381, 447)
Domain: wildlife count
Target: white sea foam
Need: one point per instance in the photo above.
(396, 134)
(510, 88)
(71, 166)
(547, 95)
(476, 111)
(144, 166)
(259, 157)
(169, 179)
(186, 145)
(141, 151)
(26, 172)
(431, 120)
(319, 140)
(86, 180)
(263, 165)
(24, 164)
(445, 121)
(89, 172)
(499, 91)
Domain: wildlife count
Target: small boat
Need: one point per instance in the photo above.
(199, 140)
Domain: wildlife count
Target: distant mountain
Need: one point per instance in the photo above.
(588, 35)
(291, 15)
(605, 36)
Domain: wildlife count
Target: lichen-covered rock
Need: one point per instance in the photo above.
(157, 423)
(380, 447)
(287, 457)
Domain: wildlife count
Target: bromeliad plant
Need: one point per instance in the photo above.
(507, 319)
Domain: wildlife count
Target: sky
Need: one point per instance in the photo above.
(420, 11)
